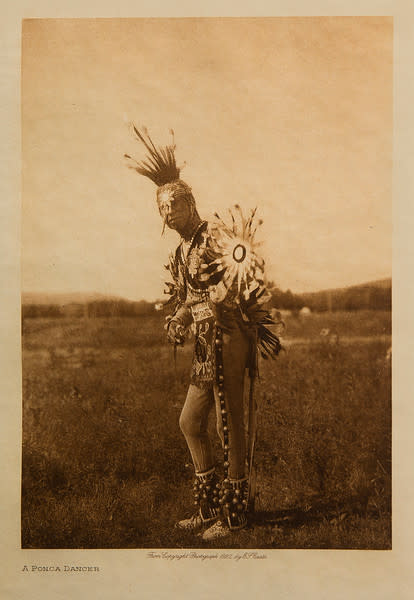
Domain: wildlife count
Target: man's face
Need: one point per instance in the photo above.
(174, 210)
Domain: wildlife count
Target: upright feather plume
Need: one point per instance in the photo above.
(159, 165)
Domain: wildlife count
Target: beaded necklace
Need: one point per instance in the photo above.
(186, 246)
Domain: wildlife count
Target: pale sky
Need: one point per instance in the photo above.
(292, 115)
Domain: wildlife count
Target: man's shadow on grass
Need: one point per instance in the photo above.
(333, 511)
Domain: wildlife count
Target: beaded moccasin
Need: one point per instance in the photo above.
(206, 497)
(218, 530)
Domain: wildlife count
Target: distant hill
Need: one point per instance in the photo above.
(60, 299)
(370, 295)
(383, 283)
(379, 283)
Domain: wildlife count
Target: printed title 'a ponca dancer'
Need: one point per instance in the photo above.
(218, 291)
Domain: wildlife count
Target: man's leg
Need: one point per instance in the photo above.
(234, 436)
(193, 424)
(233, 495)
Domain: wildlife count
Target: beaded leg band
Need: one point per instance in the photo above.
(234, 500)
(206, 494)
(233, 495)
(223, 408)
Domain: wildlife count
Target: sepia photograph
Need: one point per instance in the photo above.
(206, 283)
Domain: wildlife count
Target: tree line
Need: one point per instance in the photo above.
(95, 309)
(347, 299)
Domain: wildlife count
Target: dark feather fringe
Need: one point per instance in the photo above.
(268, 343)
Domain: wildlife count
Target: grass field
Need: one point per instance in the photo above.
(105, 465)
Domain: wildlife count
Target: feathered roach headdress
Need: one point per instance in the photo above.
(160, 166)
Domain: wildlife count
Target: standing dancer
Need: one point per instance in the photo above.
(218, 289)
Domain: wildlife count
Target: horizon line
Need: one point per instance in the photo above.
(119, 296)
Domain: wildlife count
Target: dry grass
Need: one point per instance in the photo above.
(105, 466)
